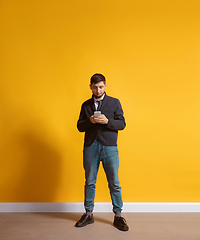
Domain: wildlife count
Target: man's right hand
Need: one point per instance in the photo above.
(92, 119)
(101, 119)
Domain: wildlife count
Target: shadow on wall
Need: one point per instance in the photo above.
(31, 161)
(40, 176)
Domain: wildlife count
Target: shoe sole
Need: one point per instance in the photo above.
(85, 224)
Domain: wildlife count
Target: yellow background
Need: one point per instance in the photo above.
(149, 52)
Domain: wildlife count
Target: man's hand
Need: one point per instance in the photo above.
(101, 119)
(92, 119)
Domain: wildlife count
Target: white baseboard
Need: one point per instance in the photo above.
(99, 207)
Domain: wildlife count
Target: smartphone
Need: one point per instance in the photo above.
(97, 113)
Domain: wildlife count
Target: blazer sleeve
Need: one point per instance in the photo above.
(118, 122)
(83, 123)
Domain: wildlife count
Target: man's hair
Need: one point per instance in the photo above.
(96, 78)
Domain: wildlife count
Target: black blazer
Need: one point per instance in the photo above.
(105, 133)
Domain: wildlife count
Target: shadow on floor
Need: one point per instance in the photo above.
(74, 217)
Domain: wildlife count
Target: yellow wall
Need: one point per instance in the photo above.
(149, 52)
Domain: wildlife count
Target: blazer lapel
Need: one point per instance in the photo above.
(93, 107)
(104, 101)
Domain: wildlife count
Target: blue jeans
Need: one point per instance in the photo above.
(92, 156)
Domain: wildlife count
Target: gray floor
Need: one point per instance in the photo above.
(60, 226)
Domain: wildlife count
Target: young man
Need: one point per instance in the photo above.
(100, 144)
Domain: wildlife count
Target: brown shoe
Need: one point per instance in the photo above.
(84, 220)
(120, 223)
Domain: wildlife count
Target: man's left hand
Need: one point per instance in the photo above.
(101, 119)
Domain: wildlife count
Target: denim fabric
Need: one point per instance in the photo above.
(92, 156)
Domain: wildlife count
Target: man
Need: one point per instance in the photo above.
(100, 144)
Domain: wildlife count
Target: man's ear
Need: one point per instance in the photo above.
(105, 85)
(90, 86)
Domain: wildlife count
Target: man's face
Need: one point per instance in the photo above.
(98, 89)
